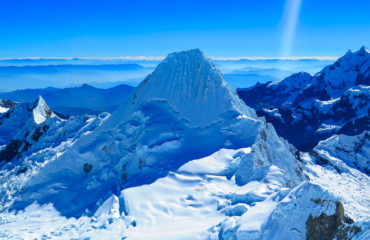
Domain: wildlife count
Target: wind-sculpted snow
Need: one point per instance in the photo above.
(187, 204)
(202, 200)
(192, 86)
(182, 111)
(184, 158)
(191, 203)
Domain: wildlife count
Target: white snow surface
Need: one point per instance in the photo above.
(157, 131)
(3, 109)
(352, 150)
(41, 111)
(184, 158)
(192, 85)
(24, 116)
(196, 202)
(345, 71)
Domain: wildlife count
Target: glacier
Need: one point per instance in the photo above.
(182, 158)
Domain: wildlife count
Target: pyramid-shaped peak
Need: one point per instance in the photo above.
(192, 85)
(363, 50)
(41, 111)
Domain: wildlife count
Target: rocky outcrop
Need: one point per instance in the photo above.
(328, 227)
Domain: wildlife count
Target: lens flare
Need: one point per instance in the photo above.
(290, 19)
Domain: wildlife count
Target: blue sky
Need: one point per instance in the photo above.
(76, 28)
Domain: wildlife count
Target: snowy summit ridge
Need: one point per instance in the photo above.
(193, 86)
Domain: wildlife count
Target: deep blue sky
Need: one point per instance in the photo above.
(68, 28)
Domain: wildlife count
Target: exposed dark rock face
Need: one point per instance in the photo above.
(329, 227)
(87, 168)
(11, 151)
(6, 103)
(39, 132)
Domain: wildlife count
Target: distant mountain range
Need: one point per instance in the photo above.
(101, 72)
(307, 108)
(76, 61)
(20, 76)
(248, 76)
(64, 67)
(85, 99)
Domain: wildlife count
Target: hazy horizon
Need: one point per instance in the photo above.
(31, 73)
(280, 28)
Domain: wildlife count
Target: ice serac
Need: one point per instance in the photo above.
(184, 110)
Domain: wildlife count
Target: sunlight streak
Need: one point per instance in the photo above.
(290, 19)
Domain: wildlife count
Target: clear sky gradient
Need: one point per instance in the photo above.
(230, 28)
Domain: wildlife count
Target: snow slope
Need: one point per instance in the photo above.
(31, 127)
(202, 200)
(23, 114)
(182, 111)
(34, 145)
(354, 151)
(156, 169)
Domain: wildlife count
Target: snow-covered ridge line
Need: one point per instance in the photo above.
(336, 96)
(184, 158)
(182, 111)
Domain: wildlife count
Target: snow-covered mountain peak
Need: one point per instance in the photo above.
(182, 111)
(41, 111)
(23, 116)
(352, 57)
(350, 70)
(295, 81)
(364, 49)
(192, 86)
